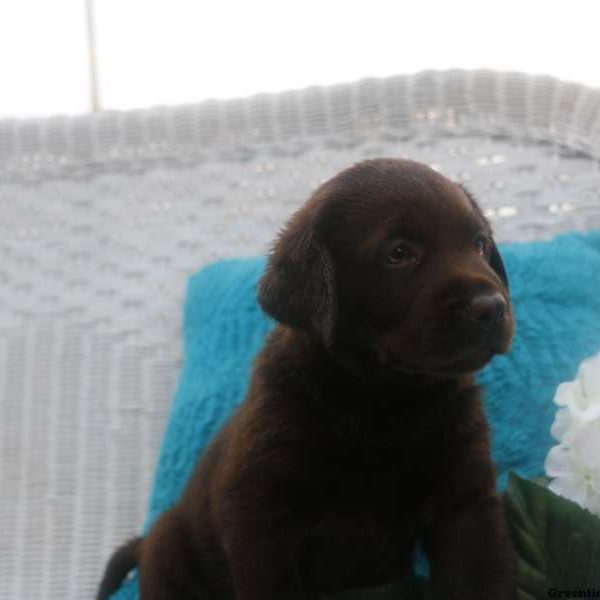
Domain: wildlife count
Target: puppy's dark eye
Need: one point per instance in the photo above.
(481, 244)
(402, 254)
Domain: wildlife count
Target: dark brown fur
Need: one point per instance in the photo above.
(362, 428)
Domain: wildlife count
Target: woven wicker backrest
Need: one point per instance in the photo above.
(103, 217)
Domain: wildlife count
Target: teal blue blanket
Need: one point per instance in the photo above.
(555, 288)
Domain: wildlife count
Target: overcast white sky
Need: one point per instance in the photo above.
(171, 51)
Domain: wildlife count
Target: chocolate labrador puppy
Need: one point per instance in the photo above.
(363, 429)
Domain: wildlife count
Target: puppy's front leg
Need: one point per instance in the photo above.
(468, 544)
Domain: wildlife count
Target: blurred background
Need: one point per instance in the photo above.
(73, 56)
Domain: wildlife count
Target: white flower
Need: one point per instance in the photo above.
(574, 464)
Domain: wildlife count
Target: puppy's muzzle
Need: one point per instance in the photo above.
(487, 316)
(486, 309)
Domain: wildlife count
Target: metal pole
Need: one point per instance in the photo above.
(92, 56)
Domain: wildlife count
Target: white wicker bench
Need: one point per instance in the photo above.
(103, 217)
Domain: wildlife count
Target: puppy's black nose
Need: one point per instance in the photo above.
(487, 309)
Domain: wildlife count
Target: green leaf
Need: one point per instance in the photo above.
(557, 542)
(542, 480)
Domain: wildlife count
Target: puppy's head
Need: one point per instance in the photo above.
(394, 264)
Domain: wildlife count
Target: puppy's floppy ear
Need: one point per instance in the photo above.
(498, 265)
(495, 259)
(298, 287)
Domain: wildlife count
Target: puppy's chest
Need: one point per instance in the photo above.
(393, 441)
(377, 467)
(367, 519)
(378, 461)
(374, 486)
(358, 478)
(383, 432)
(348, 550)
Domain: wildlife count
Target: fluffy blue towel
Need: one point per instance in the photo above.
(555, 288)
